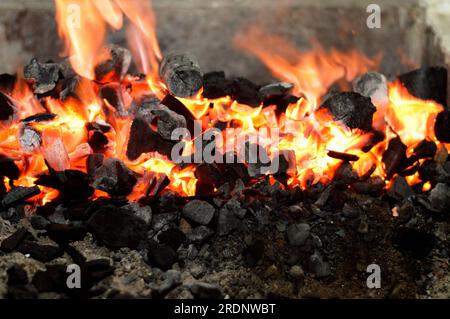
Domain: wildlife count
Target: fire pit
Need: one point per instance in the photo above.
(131, 171)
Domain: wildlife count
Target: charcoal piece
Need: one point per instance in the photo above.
(7, 82)
(203, 290)
(53, 278)
(143, 139)
(160, 221)
(172, 279)
(425, 149)
(112, 93)
(29, 138)
(280, 88)
(172, 237)
(97, 141)
(116, 227)
(442, 126)
(8, 168)
(373, 85)
(99, 126)
(415, 243)
(246, 92)
(370, 186)
(178, 107)
(63, 233)
(17, 276)
(428, 83)
(21, 292)
(400, 189)
(161, 255)
(226, 222)
(298, 234)
(18, 195)
(199, 211)
(234, 206)
(72, 184)
(253, 253)
(283, 162)
(200, 234)
(142, 212)
(157, 182)
(394, 156)
(439, 198)
(69, 87)
(144, 106)
(42, 253)
(39, 222)
(114, 178)
(116, 66)
(41, 117)
(7, 108)
(181, 73)
(209, 176)
(13, 241)
(318, 267)
(43, 76)
(343, 156)
(215, 85)
(345, 175)
(93, 162)
(257, 159)
(281, 101)
(352, 109)
(167, 121)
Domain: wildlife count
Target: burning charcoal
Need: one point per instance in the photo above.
(227, 221)
(418, 244)
(30, 139)
(113, 94)
(394, 156)
(144, 106)
(281, 101)
(253, 253)
(43, 76)
(246, 92)
(352, 109)
(199, 211)
(372, 185)
(200, 234)
(439, 198)
(13, 241)
(345, 175)
(161, 255)
(373, 85)
(116, 228)
(215, 85)
(8, 168)
(298, 233)
(42, 253)
(343, 156)
(18, 195)
(41, 117)
(175, 105)
(72, 184)
(182, 74)
(114, 178)
(203, 290)
(7, 108)
(257, 159)
(318, 267)
(442, 126)
(156, 183)
(7, 82)
(69, 87)
(117, 65)
(63, 233)
(93, 162)
(54, 150)
(425, 149)
(168, 121)
(400, 189)
(97, 141)
(209, 176)
(429, 83)
(142, 139)
(142, 212)
(172, 237)
(280, 88)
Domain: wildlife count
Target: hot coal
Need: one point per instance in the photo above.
(416, 243)
(69, 87)
(428, 83)
(425, 149)
(8, 168)
(167, 121)
(394, 156)
(373, 85)
(114, 177)
(156, 183)
(43, 76)
(18, 195)
(352, 109)
(13, 241)
(343, 156)
(116, 227)
(143, 212)
(182, 74)
(97, 141)
(41, 117)
(371, 186)
(442, 126)
(281, 101)
(7, 108)
(42, 253)
(216, 85)
(246, 92)
(116, 66)
(161, 255)
(30, 139)
(345, 176)
(199, 211)
(253, 253)
(72, 184)
(280, 88)
(176, 106)
(93, 162)
(400, 189)
(7, 82)
(112, 93)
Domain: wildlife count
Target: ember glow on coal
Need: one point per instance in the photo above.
(88, 128)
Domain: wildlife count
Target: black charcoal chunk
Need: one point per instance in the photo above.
(43, 76)
(200, 234)
(400, 189)
(8, 168)
(246, 92)
(199, 211)
(63, 233)
(42, 253)
(227, 221)
(7, 108)
(182, 74)
(442, 126)
(13, 241)
(253, 253)
(17, 276)
(178, 107)
(394, 156)
(18, 195)
(161, 255)
(298, 234)
(114, 178)
(7, 82)
(318, 267)
(352, 109)
(425, 149)
(215, 85)
(72, 184)
(416, 243)
(439, 198)
(172, 237)
(116, 227)
(280, 88)
(428, 83)
(142, 212)
(112, 93)
(343, 156)
(116, 66)
(203, 290)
